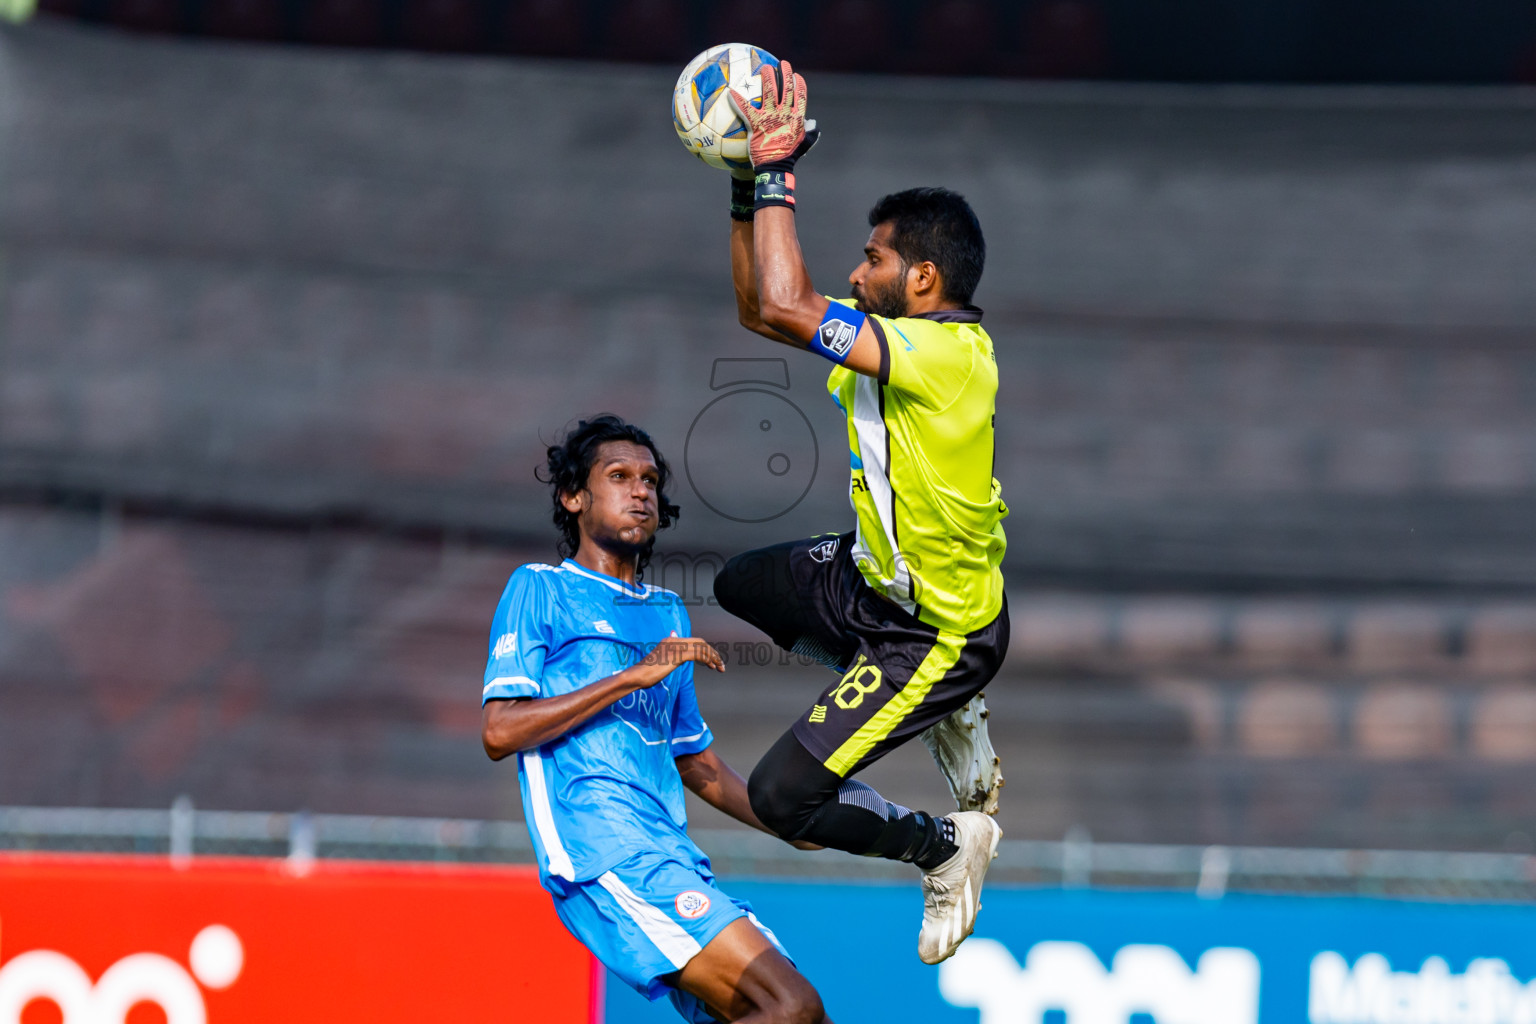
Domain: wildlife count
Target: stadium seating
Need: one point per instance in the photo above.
(955, 37)
(343, 22)
(442, 25)
(62, 8)
(243, 19)
(545, 28)
(852, 35)
(147, 15)
(1183, 40)
(1503, 725)
(1289, 719)
(1404, 722)
(1063, 39)
(1525, 64)
(764, 25)
(648, 30)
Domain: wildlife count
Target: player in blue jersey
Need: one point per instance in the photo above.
(590, 683)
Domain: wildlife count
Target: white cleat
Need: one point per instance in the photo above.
(952, 891)
(964, 753)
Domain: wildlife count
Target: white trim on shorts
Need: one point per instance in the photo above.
(668, 936)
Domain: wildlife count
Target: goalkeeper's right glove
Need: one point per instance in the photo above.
(777, 135)
(744, 185)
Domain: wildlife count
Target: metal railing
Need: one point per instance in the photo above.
(182, 832)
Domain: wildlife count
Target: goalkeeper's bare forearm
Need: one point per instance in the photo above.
(744, 277)
(786, 302)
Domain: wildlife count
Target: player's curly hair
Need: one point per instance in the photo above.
(938, 226)
(568, 465)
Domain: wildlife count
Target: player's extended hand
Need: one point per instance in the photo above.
(666, 656)
(776, 130)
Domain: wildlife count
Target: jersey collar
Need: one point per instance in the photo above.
(964, 315)
(642, 590)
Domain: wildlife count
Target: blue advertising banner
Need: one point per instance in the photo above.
(1092, 957)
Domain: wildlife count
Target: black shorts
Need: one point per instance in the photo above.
(897, 675)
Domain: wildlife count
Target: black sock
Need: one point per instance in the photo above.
(934, 843)
(859, 820)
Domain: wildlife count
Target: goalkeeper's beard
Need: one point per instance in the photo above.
(888, 301)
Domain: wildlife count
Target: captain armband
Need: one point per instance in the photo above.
(834, 338)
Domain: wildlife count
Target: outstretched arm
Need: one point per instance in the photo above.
(508, 726)
(774, 294)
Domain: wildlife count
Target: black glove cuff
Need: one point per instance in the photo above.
(774, 185)
(742, 198)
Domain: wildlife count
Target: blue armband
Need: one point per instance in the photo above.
(834, 338)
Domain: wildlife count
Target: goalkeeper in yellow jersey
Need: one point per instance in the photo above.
(908, 607)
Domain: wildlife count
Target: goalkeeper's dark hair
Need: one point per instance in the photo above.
(938, 226)
(568, 467)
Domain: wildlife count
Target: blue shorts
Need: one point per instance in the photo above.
(647, 916)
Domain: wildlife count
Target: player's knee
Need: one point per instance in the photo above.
(776, 802)
(731, 584)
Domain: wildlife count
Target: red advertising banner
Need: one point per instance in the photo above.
(134, 940)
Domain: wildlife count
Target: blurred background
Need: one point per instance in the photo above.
(290, 307)
(287, 313)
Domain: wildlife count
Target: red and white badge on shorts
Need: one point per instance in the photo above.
(691, 904)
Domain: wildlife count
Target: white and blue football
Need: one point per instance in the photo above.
(701, 108)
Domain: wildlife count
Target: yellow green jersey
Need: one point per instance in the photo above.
(920, 437)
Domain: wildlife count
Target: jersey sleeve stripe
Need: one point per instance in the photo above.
(509, 686)
(684, 745)
(544, 817)
(674, 943)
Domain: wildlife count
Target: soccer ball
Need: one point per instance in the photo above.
(701, 109)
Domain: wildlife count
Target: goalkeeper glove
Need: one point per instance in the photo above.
(744, 183)
(777, 135)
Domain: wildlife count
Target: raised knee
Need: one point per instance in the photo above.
(731, 584)
(725, 591)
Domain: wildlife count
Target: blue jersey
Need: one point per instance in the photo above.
(607, 789)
